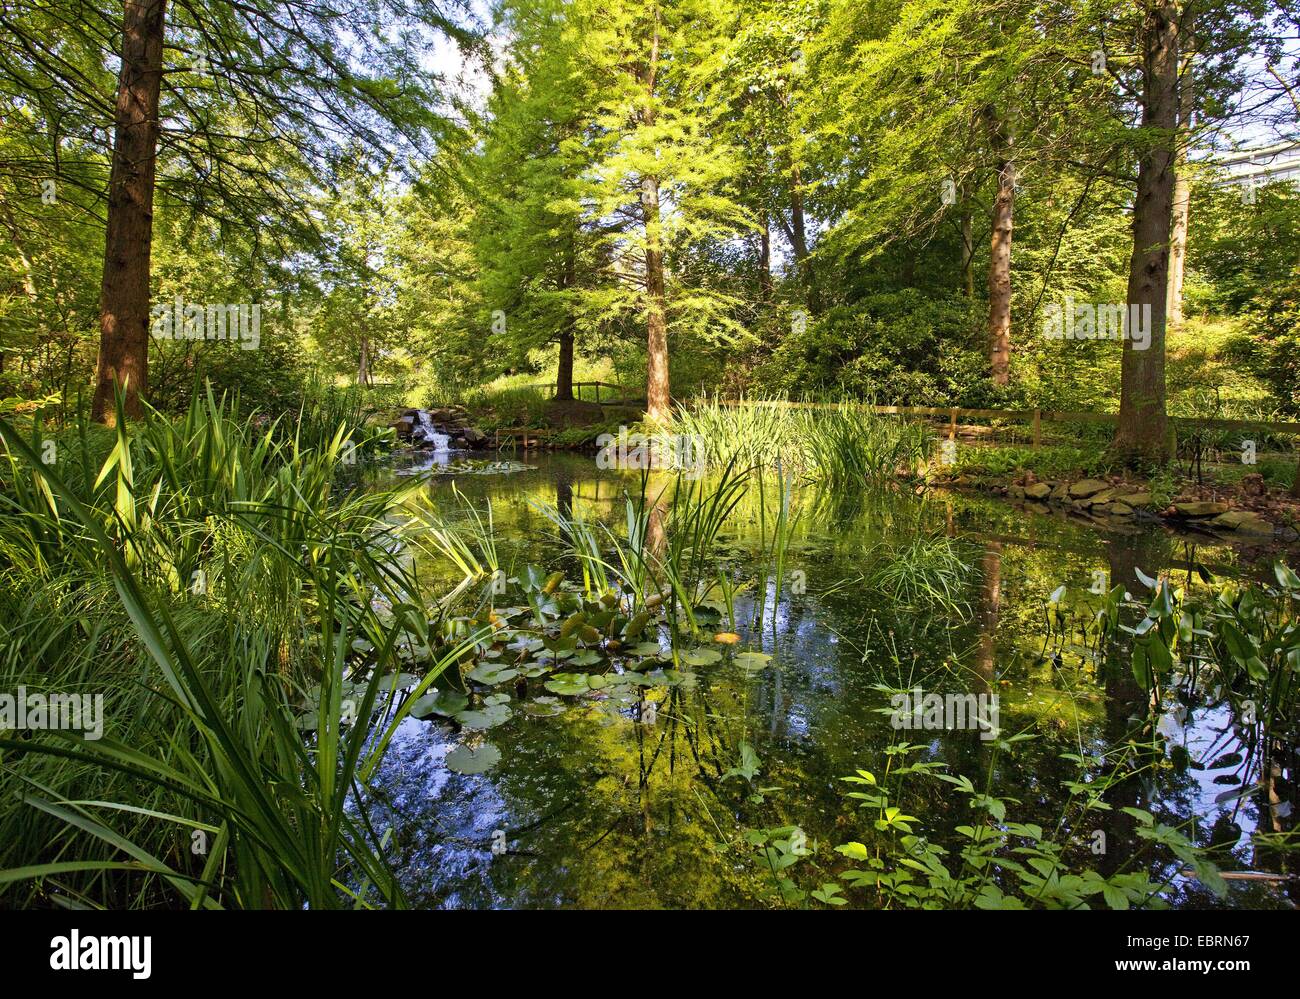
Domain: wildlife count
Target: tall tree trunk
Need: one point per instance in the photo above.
(124, 294)
(967, 255)
(799, 238)
(564, 370)
(1142, 421)
(657, 396)
(999, 324)
(1182, 212)
(765, 259)
(363, 365)
(658, 399)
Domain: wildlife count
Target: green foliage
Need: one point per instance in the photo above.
(1001, 864)
(845, 445)
(1048, 462)
(900, 348)
(211, 586)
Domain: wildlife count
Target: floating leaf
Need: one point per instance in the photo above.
(397, 680)
(568, 683)
(488, 717)
(439, 702)
(701, 657)
(466, 760)
(753, 660)
(491, 675)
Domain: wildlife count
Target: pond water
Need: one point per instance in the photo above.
(593, 805)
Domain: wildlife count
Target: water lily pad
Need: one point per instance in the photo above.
(497, 699)
(655, 679)
(701, 657)
(397, 680)
(536, 669)
(588, 657)
(753, 660)
(646, 649)
(490, 716)
(467, 760)
(568, 683)
(491, 675)
(543, 707)
(439, 702)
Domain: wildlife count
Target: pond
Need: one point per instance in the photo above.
(597, 800)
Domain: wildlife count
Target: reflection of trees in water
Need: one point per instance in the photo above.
(632, 815)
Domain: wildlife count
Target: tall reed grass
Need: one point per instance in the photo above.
(212, 584)
(842, 445)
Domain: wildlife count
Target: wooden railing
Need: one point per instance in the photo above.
(528, 435)
(578, 386)
(1034, 417)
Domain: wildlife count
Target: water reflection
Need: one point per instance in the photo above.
(599, 809)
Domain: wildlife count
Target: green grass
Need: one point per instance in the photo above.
(844, 446)
(211, 583)
(1048, 462)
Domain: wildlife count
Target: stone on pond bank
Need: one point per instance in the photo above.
(1200, 508)
(1243, 522)
(1087, 487)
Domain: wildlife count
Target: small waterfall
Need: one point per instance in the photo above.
(424, 433)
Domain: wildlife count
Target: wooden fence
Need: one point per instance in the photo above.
(614, 400)
(1035, 417)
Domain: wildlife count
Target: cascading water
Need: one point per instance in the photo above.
(423, 433)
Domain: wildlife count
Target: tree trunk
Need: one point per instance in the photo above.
(1182, 211)
(967, 256)
(765, 260)
(564, 370)
(363, 365)
(657, 396)
(799, 238)
(658, 399)
(1142, 420)
(124, 294)
(999, 324)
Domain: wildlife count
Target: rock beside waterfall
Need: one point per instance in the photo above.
(439, 429)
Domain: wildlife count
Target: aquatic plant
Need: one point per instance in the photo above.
(1001, 863)
(930, 571)
(847, 446)
(218, 596)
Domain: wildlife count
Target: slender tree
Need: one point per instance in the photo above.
(124, 295)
